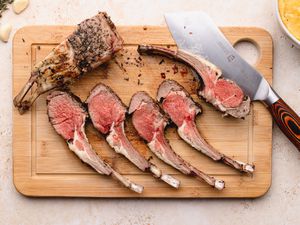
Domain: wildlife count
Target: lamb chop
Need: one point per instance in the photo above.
(108, 113)
(68, 116)
(150, 123)
(225, 95)
(180, 107)
(93, 42)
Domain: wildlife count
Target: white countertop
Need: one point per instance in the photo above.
(281, 205)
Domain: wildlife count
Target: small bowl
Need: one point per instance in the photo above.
(284, 28)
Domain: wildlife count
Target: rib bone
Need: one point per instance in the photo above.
(150, 124)
(107, 113)
(68, 117)
(177, 103)
(224, 94)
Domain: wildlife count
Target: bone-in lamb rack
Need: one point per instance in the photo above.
(67, 115)
(225, 95)
(178, 104)
(150, 123)
(93, 42)
(108, 114)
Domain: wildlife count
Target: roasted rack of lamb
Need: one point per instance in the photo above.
(222, 93)
(108, 115)
(93, 42)
(150, 123)
(180, 107)
(67, 115)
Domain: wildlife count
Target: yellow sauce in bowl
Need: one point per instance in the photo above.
(290, 15)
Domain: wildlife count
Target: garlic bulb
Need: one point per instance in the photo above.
(5, 30)
(20, 5)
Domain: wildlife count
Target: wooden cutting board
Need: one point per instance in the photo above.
(44, 166)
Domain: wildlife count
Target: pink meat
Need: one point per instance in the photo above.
(178, 104)
(150, 124)
(107, 113)
(68, 116)
(225, 95)
(228, 93)
(178, 107)
(147, 122)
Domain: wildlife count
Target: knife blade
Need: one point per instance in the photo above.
(196, 33)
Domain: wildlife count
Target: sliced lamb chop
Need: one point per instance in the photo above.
(181, 108)
(222, 93)
(150, 123)
(107, 113)
(68, 116)
(93, 42)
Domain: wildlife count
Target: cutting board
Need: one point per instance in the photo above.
(44, 166)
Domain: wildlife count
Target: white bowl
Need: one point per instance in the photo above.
(284, 28)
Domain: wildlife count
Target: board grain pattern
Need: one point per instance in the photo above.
(44, 166)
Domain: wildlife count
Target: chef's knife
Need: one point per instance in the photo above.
(196, 33)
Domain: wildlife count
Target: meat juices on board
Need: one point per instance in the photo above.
(68, 116)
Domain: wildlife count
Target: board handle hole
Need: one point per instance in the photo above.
(248, 50)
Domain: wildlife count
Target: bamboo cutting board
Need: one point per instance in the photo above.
(44, 166)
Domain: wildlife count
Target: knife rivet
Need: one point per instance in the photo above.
(230, 58)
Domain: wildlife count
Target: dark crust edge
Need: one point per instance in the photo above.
(117, 98)
(179, 85)
(181, 89)
(157, 50)
(82, 64)
(74, 98)
(155, 105)
(110, 90)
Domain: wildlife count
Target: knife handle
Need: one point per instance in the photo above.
(287, 120)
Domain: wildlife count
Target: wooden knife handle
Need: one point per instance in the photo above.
(287, 120)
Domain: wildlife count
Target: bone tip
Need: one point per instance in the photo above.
(170, 180)
(249, 168)
(219, 184)
(15, 102)
(137, 188)
(23, 107)
(141, 49)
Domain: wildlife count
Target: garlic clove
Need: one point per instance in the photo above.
(20, 5)
(5, 30)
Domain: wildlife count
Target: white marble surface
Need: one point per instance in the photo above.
(280, 205)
